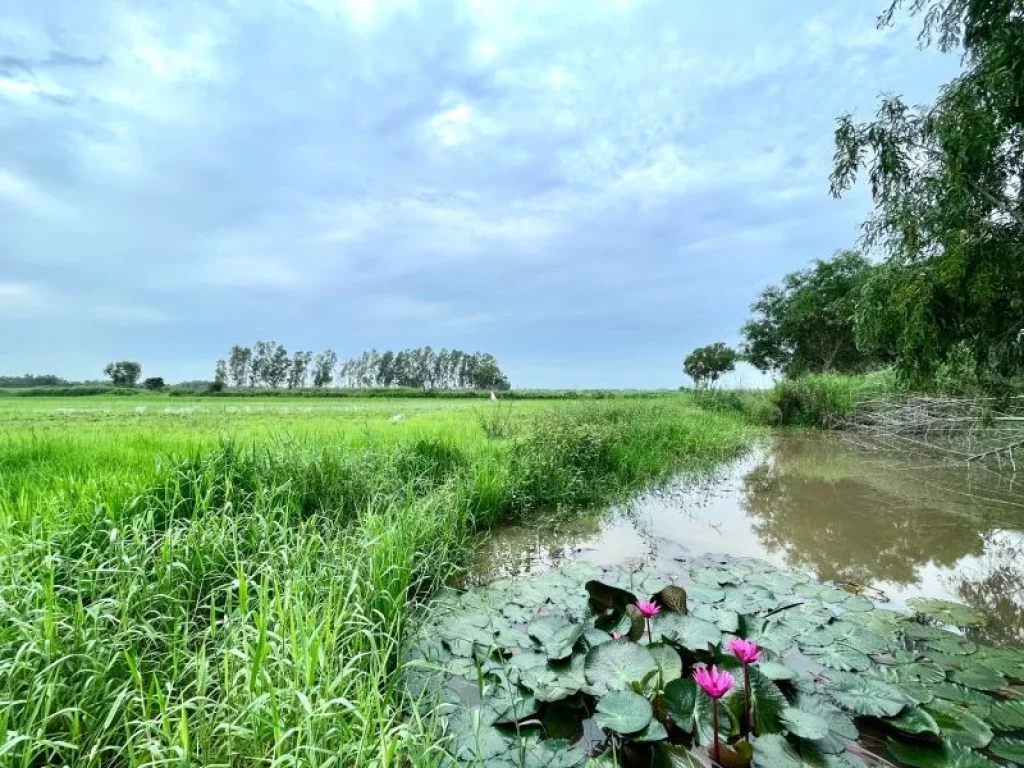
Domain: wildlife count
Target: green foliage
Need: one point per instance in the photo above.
(948, 208)
(806, 324)
(826, 399)
(124, 373)
(153, 383)
(705, 365)
(645, 698)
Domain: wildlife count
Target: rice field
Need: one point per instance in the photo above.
(227, 582)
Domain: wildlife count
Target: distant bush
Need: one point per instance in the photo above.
(71, 391)
(827, 399)
(153, 383)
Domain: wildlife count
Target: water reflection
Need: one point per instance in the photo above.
(816, 503)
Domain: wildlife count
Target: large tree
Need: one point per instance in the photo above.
(806, 323)
(705, 365)
(239, 365)
(949, 213)
(123, 373)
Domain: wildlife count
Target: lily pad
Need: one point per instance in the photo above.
(680, 700)
(841, 657)
(624, 712)
(688, 631)
(670, 665)
(553, 753)
(914, 721)
(947, 612)
(775, 670)
(1008, 749)
(866, 696)
(552, 682)
(920, 754)
(1008, 715)
(673, 598)
(557, 634)
(803, 724)
(614, 666)
(654, 731)
(958, 725)
(979, 677)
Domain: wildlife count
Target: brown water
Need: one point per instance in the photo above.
(899, 525)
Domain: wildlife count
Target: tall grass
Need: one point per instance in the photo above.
(175, 597)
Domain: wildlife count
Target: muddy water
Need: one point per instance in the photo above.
(898, 525)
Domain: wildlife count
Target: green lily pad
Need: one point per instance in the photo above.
(803, 724)
(774, 751)
(481, 744)
(673, 598)
(914, 721)
(979, 677)
(841, 728)
(680, 700)
(841, 657)
(767, 701)
(1008, 715)
(654, 731)
(919, 673)
(960, 694)
(555, 681)
(670, 665)
(958, 725)
(947, 612)
(557, 634)
(921, 754)
(688, 631)
(1008, 749)
(866, 696)
(775, 670)
(553, 753)
(624, 712)
(952, 645)
(614, 666)
(605, 597)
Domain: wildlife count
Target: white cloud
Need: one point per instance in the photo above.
(17, 297)
(25, 194)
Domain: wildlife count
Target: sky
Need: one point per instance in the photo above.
(587, 189)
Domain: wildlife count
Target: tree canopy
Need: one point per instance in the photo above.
(123, 373)
(705, 365)
(806, 323)
(946, 182)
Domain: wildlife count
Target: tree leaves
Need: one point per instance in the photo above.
(623, 712)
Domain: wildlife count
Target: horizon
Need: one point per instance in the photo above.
(587, 191)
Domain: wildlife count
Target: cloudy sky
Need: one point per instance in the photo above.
(585, 188)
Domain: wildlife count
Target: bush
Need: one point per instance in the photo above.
(827, 399)
(153, 383)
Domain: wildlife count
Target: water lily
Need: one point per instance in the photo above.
(748, 653)
(715, 684)
(616, 635)
(648, 610)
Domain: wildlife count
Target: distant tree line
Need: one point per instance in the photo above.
(32, 380)
(268, 364)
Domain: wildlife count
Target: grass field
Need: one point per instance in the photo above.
(222, 582)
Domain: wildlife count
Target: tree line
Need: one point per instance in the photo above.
(268, 364)
(935, 288)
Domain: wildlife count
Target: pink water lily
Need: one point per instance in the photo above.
(616, 635)
(648, 609)
(715, 684)
(748, 653)
(744, 650)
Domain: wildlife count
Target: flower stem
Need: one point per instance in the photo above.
(650, 638)
(714, 725)
(748, 724)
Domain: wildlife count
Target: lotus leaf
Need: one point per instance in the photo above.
(614, 666)
(623, 712)
(947, 612)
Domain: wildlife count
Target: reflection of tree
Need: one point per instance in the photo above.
(842, 523)
(999, 592)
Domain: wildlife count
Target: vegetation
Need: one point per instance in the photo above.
(167, 597)
(267, 364)
(124, 373)
(31, 380)
(517, 667)
(705, 365)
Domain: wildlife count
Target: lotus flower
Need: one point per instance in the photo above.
(715, 684)
(648, 609)
(748, 653)
(744, 650)
(616, 635)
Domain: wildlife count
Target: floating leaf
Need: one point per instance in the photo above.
(867, 696)
(555, 681)
(921, 754)
(668, 756)
(673, 598)
(688, 631)
(775, 670)
(952, 645)
(594, 637)
(553, 753)
(481, 744)
(637, 623)
(623, 712)
(774, 751)
(841, 657)
(979, 677)
(669, 664)
(803, 724)
(914, 721)
(557, 634)
(1008, 715)
(614, 666)
(654, 731)
(958, 725)
(1008, 661)
(705, 594)
(766, 701)
(919, 673)
(841, 728)
(947, 612)
(605, 597)
(857, 604)
(680, 700)
(1008, 749)
(959, 694)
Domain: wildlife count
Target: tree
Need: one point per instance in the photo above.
(123, 373)
(806, 324)
(275, 372)
(705, 365)
(220, 374)
(949, 212)
(153, 382)
(299, 368)
(323, 367)
(239, 365)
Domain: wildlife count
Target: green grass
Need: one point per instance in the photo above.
(228, 583)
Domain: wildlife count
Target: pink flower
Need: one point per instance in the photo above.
(616, 635)
(744, 650)
(648, 609)
(714, 683)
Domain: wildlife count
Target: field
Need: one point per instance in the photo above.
(227, 582)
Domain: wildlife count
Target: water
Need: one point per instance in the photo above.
(898, 525)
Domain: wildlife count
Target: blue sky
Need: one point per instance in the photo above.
(585, 189)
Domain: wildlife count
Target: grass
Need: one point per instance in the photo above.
(228, 583)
